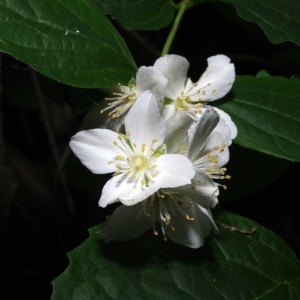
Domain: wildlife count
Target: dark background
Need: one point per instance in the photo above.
(45, 209)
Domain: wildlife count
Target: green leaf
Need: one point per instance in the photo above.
(67, 40)
(230, 265)
(266, 111)
(279, 19)
(139, 14)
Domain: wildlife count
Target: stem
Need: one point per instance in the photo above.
(182, 8)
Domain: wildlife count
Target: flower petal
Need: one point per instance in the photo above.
(122, 188)
(174, 170)
(208, 190)
(200, 131)
(112, 189)
(191, 233)
(176, 130)
(174, 67)
(217, 79)
(150, 78)
(124, 224)
(95, 149)
(228, 121)
(144, 123)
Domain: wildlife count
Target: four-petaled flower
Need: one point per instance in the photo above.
(137, 158)
(182, 94)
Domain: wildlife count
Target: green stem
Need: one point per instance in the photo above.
(183, 5)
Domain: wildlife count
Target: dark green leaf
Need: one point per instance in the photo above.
(231, 265)
(266, 111)
(68, 40)
(139, 14)
(279, 19)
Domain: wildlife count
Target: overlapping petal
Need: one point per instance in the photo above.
(174, 67)
(95, 149)
(175, 170)
(216, 81)
(124, 224)
(144, 123)
(191, 233)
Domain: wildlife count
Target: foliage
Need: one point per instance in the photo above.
(87, 46)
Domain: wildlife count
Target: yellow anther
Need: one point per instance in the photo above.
(119, 157)
(189, 218)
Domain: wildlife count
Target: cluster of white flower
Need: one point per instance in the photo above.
(168, 148)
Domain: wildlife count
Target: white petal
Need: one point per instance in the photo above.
(199, 133)
(122, 188)
(150, 78)
(144, 122)
(112, 189)
(136, 195)
(195, 193)
(95, 149)
(215, 139)
(174, 67)
(123, 224)
(191, 233)
(228, 121)
(208, 190)
(174, 170)
(168, 111)
(217, 79)
(176, 130)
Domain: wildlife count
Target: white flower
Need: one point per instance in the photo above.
(180, 217)
(123, 97)
(184, 95)
(137, 157)
(205, 143)
(208, 142)
(183, 213)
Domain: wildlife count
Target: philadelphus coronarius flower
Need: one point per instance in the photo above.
(174, 91)
(123, 97)
(168, 161)
(182, 212)
(182, 94)
(137, 158)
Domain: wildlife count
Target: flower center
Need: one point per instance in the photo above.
(182, 103)
(139, 163)
(121, 101)
(164, 205)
